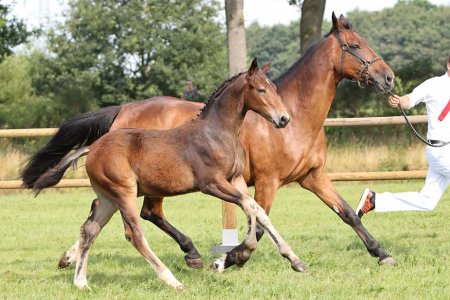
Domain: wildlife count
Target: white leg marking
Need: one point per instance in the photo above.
(161, 270)
(283, 247)
(103, 211)
(336, 209)
(69, 256)
(218, 264)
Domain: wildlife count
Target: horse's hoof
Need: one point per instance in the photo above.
(218, 265)
(82, 285)
(195, 263)
(389, 261)
(64, 262)
(177, 285)
(299, 267)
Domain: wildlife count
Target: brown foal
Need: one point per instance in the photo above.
(204, 155)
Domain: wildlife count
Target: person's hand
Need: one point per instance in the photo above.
(394, 101)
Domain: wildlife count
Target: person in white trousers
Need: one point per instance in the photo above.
(435, 93)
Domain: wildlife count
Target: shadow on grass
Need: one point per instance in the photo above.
(111, 269)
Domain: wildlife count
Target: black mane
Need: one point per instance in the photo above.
(210, 101)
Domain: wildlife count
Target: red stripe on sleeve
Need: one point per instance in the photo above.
(444, 112)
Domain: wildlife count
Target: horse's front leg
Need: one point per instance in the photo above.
(265, 191)
(152, 210)
(321, 185)
(237, 194)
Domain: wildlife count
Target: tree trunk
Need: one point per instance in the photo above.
(311, 23)
(237, 49)
(237, 62)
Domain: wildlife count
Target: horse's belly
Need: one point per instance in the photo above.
(166, 186)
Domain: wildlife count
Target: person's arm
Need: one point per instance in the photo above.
(403, 100)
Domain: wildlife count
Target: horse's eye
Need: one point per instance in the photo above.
(261, 91)
(355, 46)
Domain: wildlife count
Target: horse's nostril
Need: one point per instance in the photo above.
(284, 120)
(389, 78)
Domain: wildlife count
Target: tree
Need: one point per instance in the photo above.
(310, 22)
(237, 49)
(20, 106)
(13, 32)
(237, 56)
(131, 50)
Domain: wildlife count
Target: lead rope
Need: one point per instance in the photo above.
(440, 144)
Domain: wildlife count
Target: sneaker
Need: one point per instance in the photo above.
(366, 203)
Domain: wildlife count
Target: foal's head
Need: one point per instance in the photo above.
(355, 58)
(260, 95)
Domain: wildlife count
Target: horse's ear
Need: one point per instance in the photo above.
(343, 21)
(266, 67)
(340, 23)
(253, 67)
(334, 20)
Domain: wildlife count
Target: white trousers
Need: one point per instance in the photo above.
(436, 182)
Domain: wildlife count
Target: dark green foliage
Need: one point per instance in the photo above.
(123, 51)
(110, 52)
(13, 32)
(279, 43)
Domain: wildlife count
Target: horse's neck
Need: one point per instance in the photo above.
(228, 110)
(308, 89)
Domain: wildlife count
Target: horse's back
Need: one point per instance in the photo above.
(159, 113)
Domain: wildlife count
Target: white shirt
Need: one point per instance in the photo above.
(435, 93)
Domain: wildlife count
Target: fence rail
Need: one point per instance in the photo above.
(344, 176)
(335, 122)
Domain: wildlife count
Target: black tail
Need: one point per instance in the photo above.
(81, 131)
(54, 174)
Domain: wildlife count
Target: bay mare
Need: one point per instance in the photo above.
(204, 155)
(274, 158)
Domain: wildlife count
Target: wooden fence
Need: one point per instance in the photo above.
(346, 176)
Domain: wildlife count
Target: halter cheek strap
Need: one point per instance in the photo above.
(364, 73)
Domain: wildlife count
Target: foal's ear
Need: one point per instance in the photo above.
(266, 67)
(253, 67)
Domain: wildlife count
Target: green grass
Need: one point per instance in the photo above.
(35, 232)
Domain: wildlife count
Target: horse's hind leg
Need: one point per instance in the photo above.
(70, 255)
(135, 235)
(152, 211)
(102, 210)
(323, 188)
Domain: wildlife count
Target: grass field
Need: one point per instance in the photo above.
(36, 231)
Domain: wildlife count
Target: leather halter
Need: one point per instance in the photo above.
(364, 73)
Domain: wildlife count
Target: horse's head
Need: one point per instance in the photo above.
(261, 95)
(357, 60)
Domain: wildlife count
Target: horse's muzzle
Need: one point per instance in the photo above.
(281, 121)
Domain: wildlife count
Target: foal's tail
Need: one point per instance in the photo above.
(74, 134)
(53, 175)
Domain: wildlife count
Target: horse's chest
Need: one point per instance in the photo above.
(232, 161)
